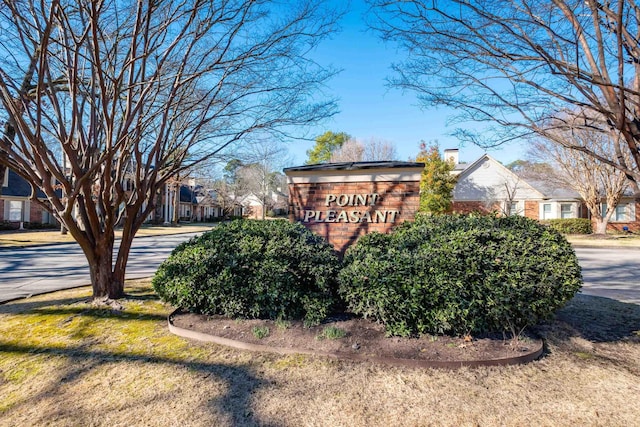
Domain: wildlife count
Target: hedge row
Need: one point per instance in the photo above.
(447, 274)
(570, 225)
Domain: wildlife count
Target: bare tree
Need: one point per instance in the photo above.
(370, 150)
(520, 65)
(263, 161)
(376, 149)
(593, 179)
(351, 151)
(137, 92)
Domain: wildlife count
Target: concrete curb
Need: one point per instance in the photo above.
(410, 363)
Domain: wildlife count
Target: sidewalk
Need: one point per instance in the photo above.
(25, 238)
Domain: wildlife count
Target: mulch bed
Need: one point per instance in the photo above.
(363, 340)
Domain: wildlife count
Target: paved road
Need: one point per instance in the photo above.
(612, 273)
(39, 269)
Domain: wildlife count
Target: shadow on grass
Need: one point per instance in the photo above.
(81, 360)
(21, 306)
(97, 313)
(597, 319)
(236, 403)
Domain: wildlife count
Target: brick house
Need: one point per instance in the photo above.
(196, 203)
(487, 186)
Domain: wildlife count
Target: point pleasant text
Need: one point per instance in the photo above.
(364, 213)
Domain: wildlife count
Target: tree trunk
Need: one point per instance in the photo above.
(176, 206)
(600, 225)
(105, 283)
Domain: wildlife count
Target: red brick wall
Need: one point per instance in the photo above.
(532, 209)
(35, 213)
(394, 203)
(631, 226)
(472, 207)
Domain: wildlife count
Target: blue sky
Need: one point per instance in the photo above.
(369, 109)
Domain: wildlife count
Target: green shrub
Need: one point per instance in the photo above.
(570, 225)
(331, 333)
(6, 225)
(460, 274)
(252, 269)
(40, 226)
(260, 332)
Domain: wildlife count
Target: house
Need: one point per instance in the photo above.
(487, 186)
(196, 203)
(275, 201)
(16, 206)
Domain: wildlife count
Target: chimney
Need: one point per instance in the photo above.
(451, 155)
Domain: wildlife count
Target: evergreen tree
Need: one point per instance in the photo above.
(436, 181)
(325, 145)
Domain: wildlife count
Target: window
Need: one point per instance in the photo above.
(566, 210)
(623, 212)
(15, 210)
(514, 208)
(546, 211)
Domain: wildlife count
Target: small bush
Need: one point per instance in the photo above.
(331, 333)
(40, 226)
(460, 274)
(260, 332)
(570, 225)
(252, 269)
(6, 225)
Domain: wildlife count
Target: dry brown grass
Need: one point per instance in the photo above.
(609, 240)
(38, 237)
(66, 363)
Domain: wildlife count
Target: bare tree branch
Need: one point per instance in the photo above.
(123, 95)
(518, 66)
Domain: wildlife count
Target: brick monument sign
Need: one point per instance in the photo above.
(343, 201)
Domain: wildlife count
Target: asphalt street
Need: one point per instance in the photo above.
(40, 269)
(611, 273)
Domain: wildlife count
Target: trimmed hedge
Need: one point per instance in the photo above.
(252, 269)
(570, 225)
(457, 274)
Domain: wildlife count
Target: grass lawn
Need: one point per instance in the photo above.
(610, 240)
(64, 362)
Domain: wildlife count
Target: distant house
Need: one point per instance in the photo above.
(206, 206)
(487, 186)
(275, 201)
(196, 203)
(16, 205)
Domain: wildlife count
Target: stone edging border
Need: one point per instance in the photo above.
(411, 363)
